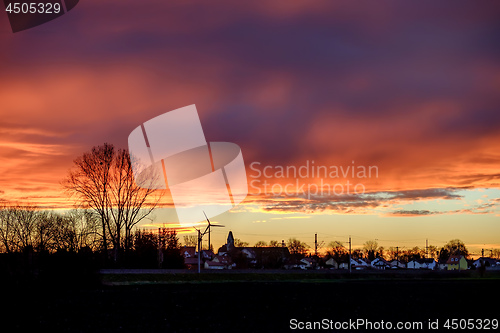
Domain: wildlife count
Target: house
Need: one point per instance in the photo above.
(211, 264)
(396, 264)
(225, 260)
(257, 257)
(355, 264)
(191, 263)
(442, 265)
(310, 263)
(270, 256)
(344, 265)
(190, 257)
(488, 263)
(222, 251)
(361, 264)
(219, 262)
(188, 251)
(428, 263)
(293, 263)
(332, 264)
(207, 254)
(455, 262)
(380, 263)
(248, 252)
(414, 264)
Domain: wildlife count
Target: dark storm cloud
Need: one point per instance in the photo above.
(355, 203)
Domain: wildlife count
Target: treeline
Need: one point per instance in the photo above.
(102, 182)
(37, 243)
(156, 249)
(27, 228)
(371, 250)
(102, 232)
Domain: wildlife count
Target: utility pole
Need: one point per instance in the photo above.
(397, 257)
(160, 259)
(426, 248)
(199, 251)
(316, 244)
(349, 254)
(209, 243)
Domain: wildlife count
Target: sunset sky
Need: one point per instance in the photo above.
(412, 88)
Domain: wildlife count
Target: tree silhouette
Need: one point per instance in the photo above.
(337, 251)
(157, 249)
(190, 240)
(26, 226)
(274, 243)
(370, 248)
(239, 243)
(102, 180)
(296, 247)
(453, 247)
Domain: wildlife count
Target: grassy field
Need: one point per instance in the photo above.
(249, 302)
(138, 277)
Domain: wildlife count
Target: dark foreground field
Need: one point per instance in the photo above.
(239, 306)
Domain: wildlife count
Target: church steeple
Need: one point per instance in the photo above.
(230, 241)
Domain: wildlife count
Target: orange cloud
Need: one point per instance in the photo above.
(288, 82)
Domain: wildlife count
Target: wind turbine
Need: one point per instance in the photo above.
(200, 239)
(208, 228)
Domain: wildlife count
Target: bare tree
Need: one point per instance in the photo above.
(84, 226)
(25, 226)
(274, 243)
(102, 180)
(414, 253)
(89, 183)
(370, 248)
(190, 240)
(25, 220)
(46, 231)
(7, 232)
(432, 251)
(239, 243)
(393, 253)
(297, 247)
(337, 251)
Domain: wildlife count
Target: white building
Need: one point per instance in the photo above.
(422, 264)
(380, 263)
